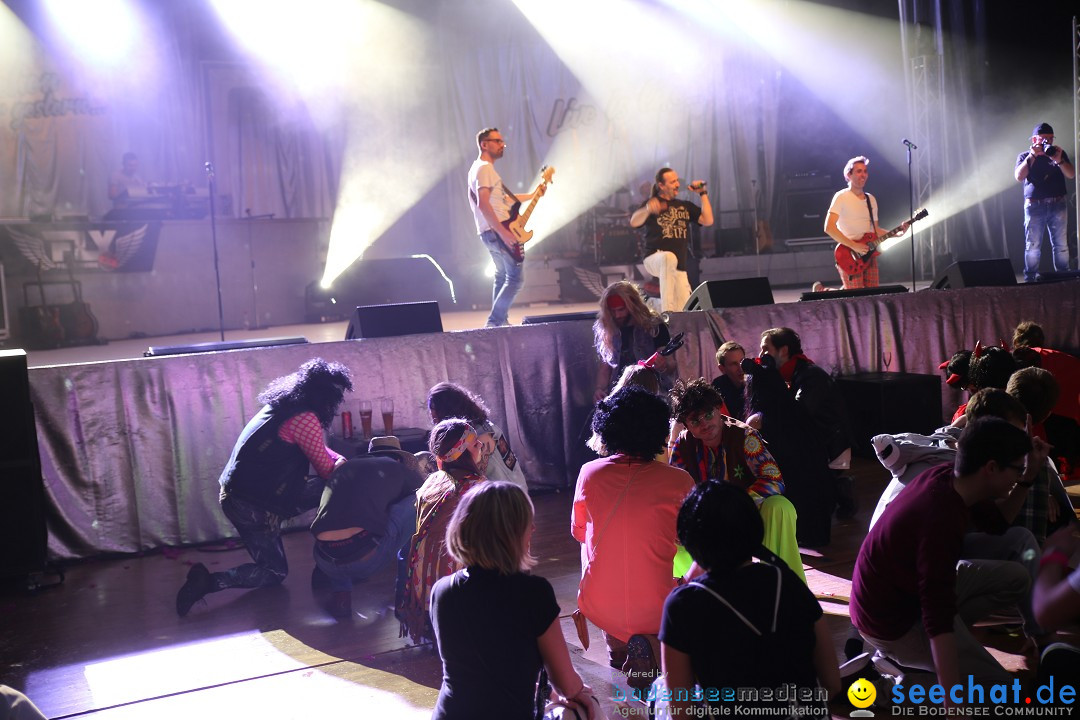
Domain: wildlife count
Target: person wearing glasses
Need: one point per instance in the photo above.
(667, 222)
(491, 203)
(912, 596)
(716, 448)
(1043, 169)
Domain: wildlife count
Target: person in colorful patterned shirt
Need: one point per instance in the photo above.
(715, 447)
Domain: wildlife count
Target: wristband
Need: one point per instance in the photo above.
(703, 194)
(1055, 557)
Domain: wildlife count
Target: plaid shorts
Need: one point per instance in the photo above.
(868, 278)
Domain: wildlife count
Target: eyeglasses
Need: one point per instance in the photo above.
(700, 419)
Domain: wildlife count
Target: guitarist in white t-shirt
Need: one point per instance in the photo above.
(852, 216)
(491, 204)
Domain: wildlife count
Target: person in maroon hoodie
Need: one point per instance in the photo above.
(912, 597)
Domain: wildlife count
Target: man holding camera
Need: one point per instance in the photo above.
(1043, 169)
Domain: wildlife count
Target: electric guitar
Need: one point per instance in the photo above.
(854, 263)
(516, 222)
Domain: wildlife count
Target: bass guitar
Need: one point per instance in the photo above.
(517, 220)
(854, 263)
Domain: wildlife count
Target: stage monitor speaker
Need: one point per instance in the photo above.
(734, 241)
(375, 321)
(976, 273)
(743, 292)
(806, 212)
(887, 403)
(1046, 277)
(23, 535)
(159, 350)
(386, 281)
(854, 292)
(589, 315)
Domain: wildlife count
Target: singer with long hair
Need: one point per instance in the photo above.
(667, 221)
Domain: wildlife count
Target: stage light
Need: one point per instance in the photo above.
(17, 50)
(298, 686)
(102, 31)
(489, 269)
(641, 70)
(826, 49)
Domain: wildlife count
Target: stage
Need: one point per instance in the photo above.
(131, 449)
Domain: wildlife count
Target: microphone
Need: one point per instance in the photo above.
(698, 185)
(910, 144)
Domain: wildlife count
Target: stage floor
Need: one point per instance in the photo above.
(315, 333)
(107, 642)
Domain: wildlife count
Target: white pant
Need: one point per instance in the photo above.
(674, 286)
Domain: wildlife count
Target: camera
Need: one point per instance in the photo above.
(1048, 148)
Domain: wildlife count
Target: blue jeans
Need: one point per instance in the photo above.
(400, 525)
(509, 277)
(1040, 218)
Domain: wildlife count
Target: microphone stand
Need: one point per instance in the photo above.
(213, 235)
(911, 203)
(248, 217)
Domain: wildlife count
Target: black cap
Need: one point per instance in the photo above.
(1043, 129)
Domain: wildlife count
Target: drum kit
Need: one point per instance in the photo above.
(608, 228)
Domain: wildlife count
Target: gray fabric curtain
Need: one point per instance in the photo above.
(131, 451)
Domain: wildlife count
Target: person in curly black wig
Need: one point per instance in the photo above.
(625, 505)
(775, 621)
(266, 479)
(992, 368)
(634, 423)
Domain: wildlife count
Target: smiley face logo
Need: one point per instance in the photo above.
(862, 693)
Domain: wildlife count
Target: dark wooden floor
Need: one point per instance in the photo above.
(107, 642)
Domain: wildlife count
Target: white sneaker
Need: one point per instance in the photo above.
(818, 286)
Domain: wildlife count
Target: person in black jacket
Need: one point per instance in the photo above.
(266, 479)
(817, 394)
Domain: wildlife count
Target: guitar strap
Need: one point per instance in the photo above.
(870, 209)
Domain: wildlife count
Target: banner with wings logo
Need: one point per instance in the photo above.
(86, 246)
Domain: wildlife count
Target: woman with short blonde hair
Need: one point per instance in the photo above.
(495, 625)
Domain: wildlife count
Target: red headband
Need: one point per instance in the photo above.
(615, 302)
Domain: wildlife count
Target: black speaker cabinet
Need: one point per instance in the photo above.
(618, 246)
(373, 321)
(806, 212)
(158, 350)
(23, 536)
(854, 292)
(879, 403)
(743, 292)
(976, 273)
(382, 281)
